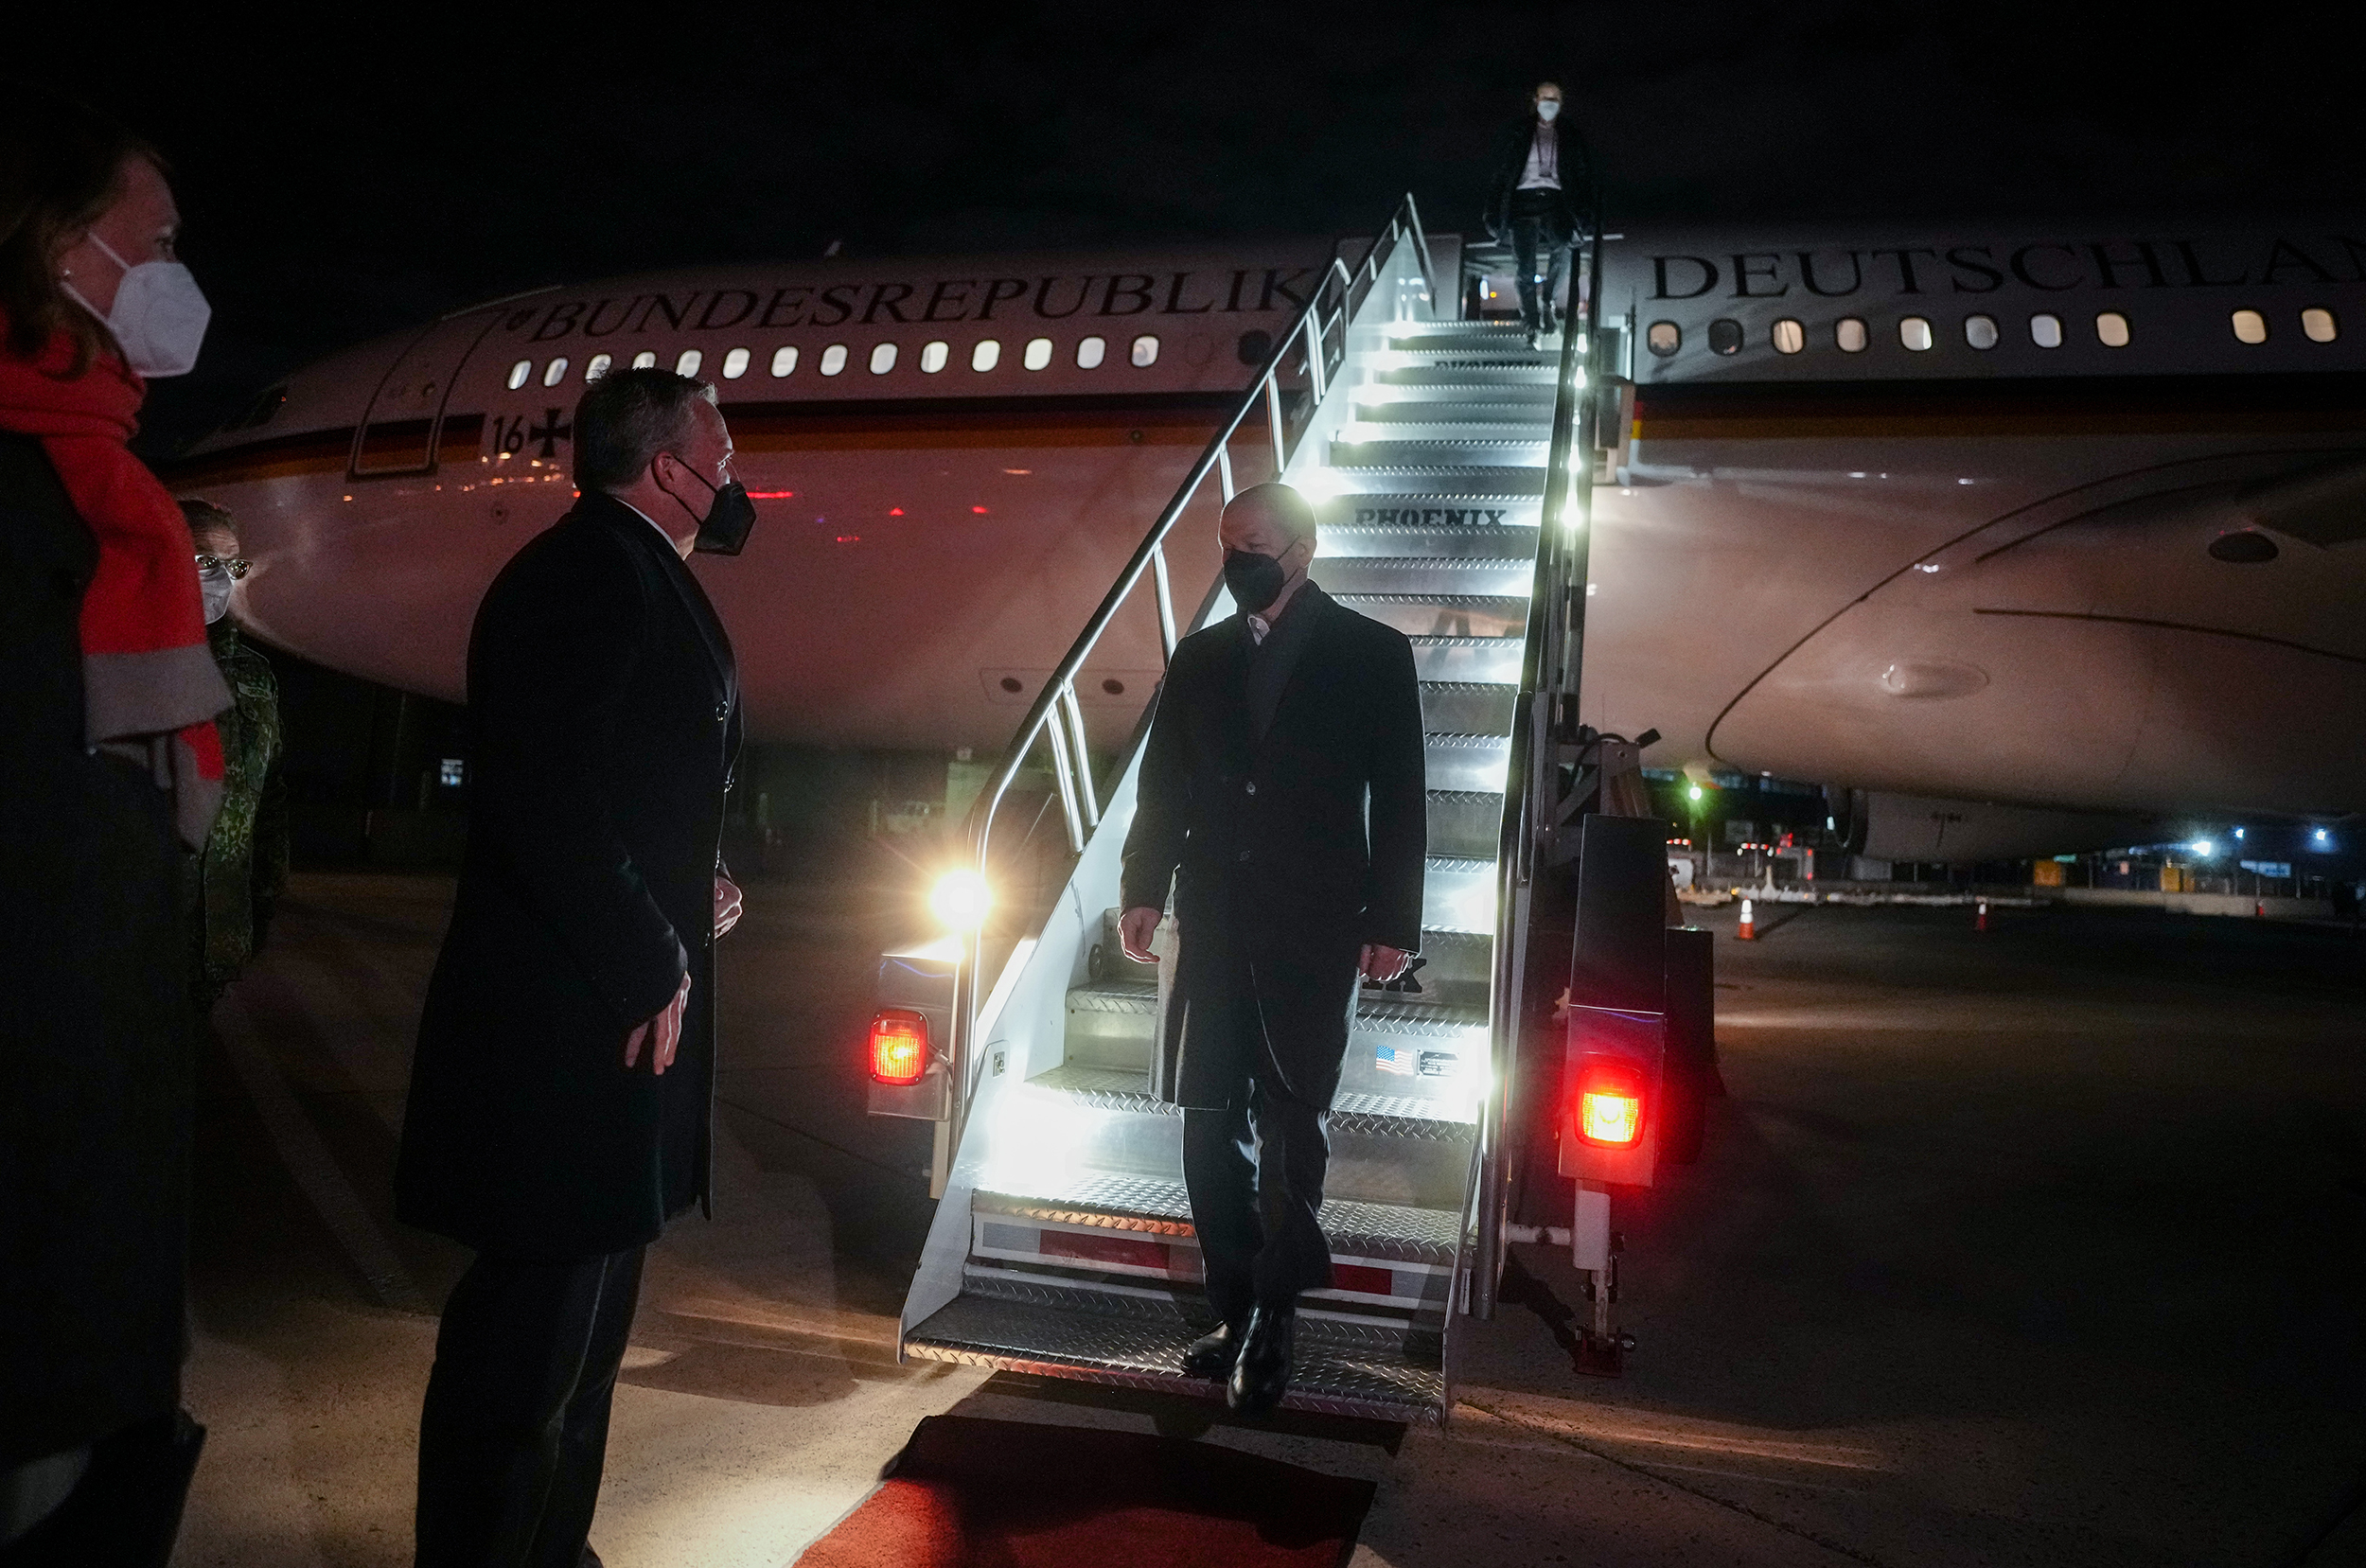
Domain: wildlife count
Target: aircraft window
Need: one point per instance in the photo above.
(2319, 324)
(2045, 330)
(1663, 338)
(1145, 351)
(689, 361)
(1915, 332)
(986, 355)
(1038, 353)
(932, 357)
(598, 367)
(555, 371)
(519, 372)
(643, 359)
(783, 361)
(2111, 327)
(1849, 332)
(833, 359)
(1089, 352)
(734, 364)
(2249, 326)
(1724, 335)
(1980, 331)
(882, 357)
(1790, 337)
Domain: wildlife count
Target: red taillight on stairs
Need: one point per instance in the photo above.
(899, 1046)
(1609, 1104)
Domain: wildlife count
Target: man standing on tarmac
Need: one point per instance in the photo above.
(1282, 798)
(1539, 200)
(562, 1095)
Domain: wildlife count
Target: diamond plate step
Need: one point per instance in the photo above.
(1127, 1089)
(1136, 1341)
(1481, 379)
(1458, 895)
(1460, 615)
(1495, 453)
(1458, 575)
(1467, 708)
(1158, 1207)
(1468, 762)
(1516, 484)
(1465, 822)
(1495, 660)
(1522, 394)
(1443, 541)
(1458, 416)
(1431, 509)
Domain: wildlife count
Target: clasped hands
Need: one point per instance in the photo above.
(1378, 962)
(663, 1029)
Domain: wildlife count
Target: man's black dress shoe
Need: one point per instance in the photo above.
(1212, 1355)
(1262, 1376)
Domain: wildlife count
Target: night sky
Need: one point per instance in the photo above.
(342, 182)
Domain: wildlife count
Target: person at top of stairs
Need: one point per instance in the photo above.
(1539, 201)
(1276, 728)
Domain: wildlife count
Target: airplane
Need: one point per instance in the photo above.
(2022, 538)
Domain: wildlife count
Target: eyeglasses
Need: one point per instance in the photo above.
(230, 564)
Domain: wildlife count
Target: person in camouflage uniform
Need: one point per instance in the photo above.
(232, 886)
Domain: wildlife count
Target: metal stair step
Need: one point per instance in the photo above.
(1492, 659)
(1157, 1206)
(1471, 484)
(1458, 895)
(1136, 1339)
(1426, 574)
(1378, 508)
(1352, 541)
(1446, 432)
(1126, 1090)
(1536, 395)
(1389, 410)
(1467, 708)
(1544, 373)
(1445, 614)
(1467, 823)
(1474, 452)
(1468, 761)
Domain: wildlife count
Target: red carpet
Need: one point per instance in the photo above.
(1019, 1494)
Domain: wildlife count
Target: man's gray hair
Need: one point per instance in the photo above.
(626, 417)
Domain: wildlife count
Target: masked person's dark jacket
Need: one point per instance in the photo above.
(604, 720)
(1574, 215)
(1290, 819)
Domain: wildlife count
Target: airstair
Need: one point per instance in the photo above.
(1441, 453)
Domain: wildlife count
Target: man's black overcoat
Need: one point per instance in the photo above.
(1576, 215)
(1286, 852)
(603, 722)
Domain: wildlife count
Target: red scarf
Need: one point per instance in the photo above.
(149, 683)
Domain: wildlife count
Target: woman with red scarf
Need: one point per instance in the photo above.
(109, 770)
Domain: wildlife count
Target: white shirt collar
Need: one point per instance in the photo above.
(644, 516)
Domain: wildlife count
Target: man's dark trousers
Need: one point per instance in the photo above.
(515, 1432)
(1538, 232)
(1255, 1174)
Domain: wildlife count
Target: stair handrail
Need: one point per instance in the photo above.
(1056, 717)
(1549, 672)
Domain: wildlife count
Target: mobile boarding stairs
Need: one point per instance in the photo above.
(1452, 466)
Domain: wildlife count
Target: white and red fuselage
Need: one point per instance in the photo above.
(1943, 515)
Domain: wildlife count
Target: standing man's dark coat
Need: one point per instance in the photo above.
(1574, 214)
(1282, 795)
(603, 720)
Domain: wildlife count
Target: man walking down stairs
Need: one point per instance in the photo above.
(1274, 729)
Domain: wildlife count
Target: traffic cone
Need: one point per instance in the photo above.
(1981, 924)
(1748, 930)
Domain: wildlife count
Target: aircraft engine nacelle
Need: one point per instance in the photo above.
(1885, 826)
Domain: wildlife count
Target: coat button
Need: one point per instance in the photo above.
(1245, 855)
(1251, 786)
(722, 709)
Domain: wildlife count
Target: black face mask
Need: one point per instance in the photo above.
(1255, 580)
(730, 518)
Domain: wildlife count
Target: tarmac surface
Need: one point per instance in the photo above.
(2045, 1245)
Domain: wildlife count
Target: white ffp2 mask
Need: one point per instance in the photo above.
(159, 317)
(1546, 110)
